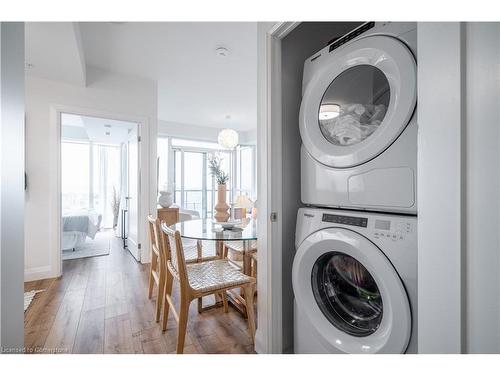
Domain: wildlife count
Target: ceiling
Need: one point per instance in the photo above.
(95, 129)
(195, 85)
(53, 51)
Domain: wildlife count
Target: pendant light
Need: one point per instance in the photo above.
(228, 138)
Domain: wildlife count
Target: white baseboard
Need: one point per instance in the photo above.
(259, 345)
(145, 257)
(38, 273)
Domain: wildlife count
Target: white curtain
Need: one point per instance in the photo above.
(106, 182)
(91, 179)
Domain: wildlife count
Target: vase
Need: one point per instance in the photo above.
(221, 207)
(165, 200)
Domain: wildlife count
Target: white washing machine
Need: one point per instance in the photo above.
(358, 121)
(355, 282)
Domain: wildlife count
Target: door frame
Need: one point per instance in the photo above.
(268, 337)
(56, 111)
(136, 252)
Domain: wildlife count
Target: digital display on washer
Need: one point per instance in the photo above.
(383, 224)
(348, 220)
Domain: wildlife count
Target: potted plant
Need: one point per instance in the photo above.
(215, 168)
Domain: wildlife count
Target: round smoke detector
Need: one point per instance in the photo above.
(222, 52)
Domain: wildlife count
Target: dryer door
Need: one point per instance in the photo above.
(351, 293)
(359, 103)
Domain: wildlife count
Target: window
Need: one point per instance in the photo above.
(90, 178)
(194, 187)
(186, 173)
(75, 175)
(163, 164)
(246, 171)
(106, 177)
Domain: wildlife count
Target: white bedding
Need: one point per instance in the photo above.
(77, 226)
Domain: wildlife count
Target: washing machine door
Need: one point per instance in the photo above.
(351, 294)
(359, 102)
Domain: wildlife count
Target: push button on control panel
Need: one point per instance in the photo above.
(393, 236)
(393, 231)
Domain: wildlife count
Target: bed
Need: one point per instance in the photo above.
(77, 226)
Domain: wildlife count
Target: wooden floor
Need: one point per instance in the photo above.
(100, 305)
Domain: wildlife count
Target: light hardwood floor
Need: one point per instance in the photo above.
(100, 305)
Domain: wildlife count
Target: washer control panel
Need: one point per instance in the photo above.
(347, 220)
(391, 230)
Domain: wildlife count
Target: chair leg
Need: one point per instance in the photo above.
(168, 291)
(248, 291)
(161, 295)
(254, 268)
(200, 305)
(151, 279)
(183, 317)
(224, 301)
(199, 250)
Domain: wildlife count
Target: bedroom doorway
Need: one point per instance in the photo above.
(99, 185)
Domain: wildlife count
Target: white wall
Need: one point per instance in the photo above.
(175, 129)
(459, 187)
(482, 134)
(11, 186)
(440, 173)
(106, 94)
(201, 133)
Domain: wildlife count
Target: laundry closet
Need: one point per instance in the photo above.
(296, 47)
(341, 84)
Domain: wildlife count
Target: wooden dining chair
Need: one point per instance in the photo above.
(190, 245)
(234, 251)
(254, 264)
(157, 273)
(197, 280)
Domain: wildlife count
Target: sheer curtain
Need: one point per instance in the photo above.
(106, 182)
(75, 173)
(91, 175)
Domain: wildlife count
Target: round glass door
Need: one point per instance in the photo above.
(347, 294)
(354, 105)
(358, 102)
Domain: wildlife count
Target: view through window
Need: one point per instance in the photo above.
(90, 178)
(183, 169)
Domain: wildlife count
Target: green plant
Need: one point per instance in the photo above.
(215, 168)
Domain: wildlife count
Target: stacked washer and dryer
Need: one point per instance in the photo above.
(355, 269)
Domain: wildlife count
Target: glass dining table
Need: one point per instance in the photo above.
(210, 230)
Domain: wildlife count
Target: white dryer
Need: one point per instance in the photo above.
(358, 121)
(355, 282)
